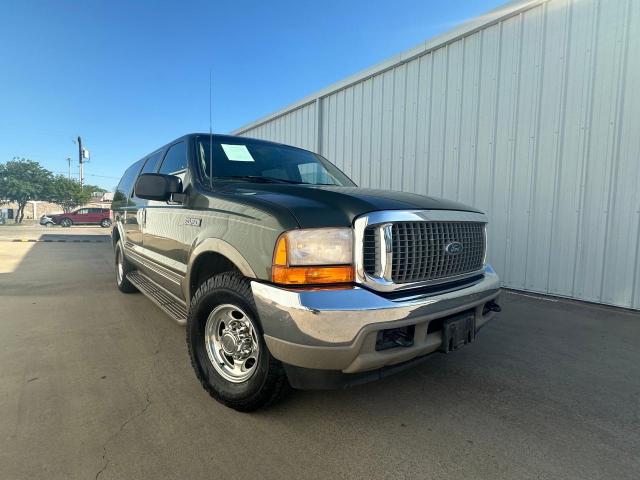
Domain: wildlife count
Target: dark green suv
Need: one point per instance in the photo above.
(286, 273)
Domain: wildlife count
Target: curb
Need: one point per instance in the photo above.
(53, 241)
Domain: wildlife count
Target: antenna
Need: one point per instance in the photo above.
(210, 137)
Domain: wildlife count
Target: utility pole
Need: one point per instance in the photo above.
(80, 160)
(69, 162)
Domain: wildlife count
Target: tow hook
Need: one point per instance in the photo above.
(491, 306)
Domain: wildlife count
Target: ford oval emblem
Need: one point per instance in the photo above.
(453, 248)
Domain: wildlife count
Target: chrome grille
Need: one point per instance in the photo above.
(419, 250)
(370, 250)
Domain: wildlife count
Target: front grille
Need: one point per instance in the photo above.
(419, 250)
(370, 250)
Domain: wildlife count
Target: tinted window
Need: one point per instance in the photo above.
(83, 211)
(151, 165)
(176, 159)
(125, 187)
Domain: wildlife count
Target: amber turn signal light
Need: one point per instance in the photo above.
(311, 275)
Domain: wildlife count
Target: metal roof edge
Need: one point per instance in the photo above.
(469, 27)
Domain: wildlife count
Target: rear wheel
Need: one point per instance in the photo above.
(66, 222)
(123, 267)
(105, 223)
(227, 348)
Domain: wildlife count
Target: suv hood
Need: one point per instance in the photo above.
(329, 206)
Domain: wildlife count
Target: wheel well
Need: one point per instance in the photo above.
(206, 266)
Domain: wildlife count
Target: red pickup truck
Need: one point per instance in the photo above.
(84, 216)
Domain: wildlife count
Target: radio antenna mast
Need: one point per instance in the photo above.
(210, 137)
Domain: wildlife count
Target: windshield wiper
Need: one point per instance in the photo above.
(259, 178)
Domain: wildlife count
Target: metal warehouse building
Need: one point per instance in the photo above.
(531, 113)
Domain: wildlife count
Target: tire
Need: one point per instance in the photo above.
(66, 222)
(105, 223)
(123, 267)
(228, 296)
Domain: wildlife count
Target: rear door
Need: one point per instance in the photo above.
(94, 216)
(124, 206)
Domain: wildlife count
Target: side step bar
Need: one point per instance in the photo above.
(167, 302)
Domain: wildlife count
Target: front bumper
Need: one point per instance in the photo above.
(337, 329)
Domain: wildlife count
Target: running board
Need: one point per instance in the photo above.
(167, 302)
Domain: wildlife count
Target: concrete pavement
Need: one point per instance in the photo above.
(97, 384)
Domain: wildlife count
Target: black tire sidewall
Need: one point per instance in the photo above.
(125, 285)
(221, 388)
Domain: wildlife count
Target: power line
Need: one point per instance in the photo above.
(88, 175)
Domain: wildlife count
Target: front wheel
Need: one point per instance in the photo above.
(226, 346)
(105, 223)
(66, 222)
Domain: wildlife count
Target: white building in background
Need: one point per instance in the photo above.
(530, 113)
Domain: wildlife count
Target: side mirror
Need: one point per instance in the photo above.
(156, 186)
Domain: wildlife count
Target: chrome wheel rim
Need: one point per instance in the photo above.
(119, 267)
(232, 344)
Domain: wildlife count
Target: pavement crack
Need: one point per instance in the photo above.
(105, 458)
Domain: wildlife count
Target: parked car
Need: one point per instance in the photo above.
(84, 216)
(285, 272)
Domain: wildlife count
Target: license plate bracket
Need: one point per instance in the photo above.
(458, 331)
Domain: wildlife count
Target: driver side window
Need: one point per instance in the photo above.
(175, 160)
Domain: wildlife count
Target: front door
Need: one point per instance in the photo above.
(80, 216)
(163, 229)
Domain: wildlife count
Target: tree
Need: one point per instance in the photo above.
(67, 193)
(22, 180)
(94, 190)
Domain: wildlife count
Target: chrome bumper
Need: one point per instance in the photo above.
(337, 329)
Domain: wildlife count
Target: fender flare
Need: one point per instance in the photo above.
(117, 225)
(215, 245)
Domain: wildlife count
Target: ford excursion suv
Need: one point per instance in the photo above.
(285, 273)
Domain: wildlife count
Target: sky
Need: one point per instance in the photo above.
(130, 76)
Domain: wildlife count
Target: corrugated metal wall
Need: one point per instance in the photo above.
(533, 116)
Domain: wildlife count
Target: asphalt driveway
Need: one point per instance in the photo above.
(97, 384)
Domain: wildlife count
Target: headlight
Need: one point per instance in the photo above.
(314, 256)
(319, 246)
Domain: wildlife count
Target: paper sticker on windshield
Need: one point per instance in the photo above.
(237, 153)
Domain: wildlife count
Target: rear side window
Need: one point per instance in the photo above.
(175, 160)
(151, 165)
(125, 187)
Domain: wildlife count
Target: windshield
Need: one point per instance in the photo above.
(256, 161)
